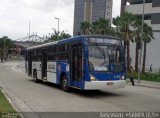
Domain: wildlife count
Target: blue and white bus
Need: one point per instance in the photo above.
(83, 62)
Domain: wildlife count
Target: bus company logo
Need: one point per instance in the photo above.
(51, 66)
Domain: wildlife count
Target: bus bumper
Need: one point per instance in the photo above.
(102, 85)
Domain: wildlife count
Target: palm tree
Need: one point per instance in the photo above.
(124, 24)
(138, 26)
(84, 27)
(147, 37)
(117, 23)
(101, 26)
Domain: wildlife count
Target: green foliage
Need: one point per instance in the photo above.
(147, 77)
(85, 27)
(5, 44)
(55, 36)
(138, 27)
(5, 106)
(123, 26)
(64, 35)
(148, 33)
(101, 26)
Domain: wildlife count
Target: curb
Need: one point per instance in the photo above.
(147, 86)
(143, 85)
(1, 88)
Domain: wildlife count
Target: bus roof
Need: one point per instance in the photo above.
(81, 37)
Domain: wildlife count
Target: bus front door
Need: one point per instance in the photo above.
(76, 66)
(44, 64)
(29, 63)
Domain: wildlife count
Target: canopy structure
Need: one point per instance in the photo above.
(30, 41)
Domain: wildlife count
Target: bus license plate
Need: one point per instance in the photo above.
(109, 83)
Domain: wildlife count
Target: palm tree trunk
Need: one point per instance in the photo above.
(144, 57)
(128, 54)
(125, 45)
(136, 58)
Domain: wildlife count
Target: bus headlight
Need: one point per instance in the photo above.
(92, 78)
(122, 77)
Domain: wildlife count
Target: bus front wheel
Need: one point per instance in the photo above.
(65, 83)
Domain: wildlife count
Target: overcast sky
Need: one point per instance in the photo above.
(15, 16)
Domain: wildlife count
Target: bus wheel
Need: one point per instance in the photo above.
(65, 83)
(35, 77)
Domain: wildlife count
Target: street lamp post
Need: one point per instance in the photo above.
(58, 22)
(4, 48)
(140, 57)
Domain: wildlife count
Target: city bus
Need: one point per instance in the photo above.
(82, 62)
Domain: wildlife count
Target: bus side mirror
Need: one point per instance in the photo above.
(85, 48)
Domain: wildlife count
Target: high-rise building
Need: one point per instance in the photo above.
(91, 10)
(152, 18)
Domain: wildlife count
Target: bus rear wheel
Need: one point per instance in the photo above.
(35, 77)
(64, 83)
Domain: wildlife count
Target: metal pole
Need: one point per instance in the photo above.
(4, 49)
(58, 22)
(58, 25)
(140, 56)
(29, 28)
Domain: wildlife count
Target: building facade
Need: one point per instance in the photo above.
(90, 10)
(152, 18)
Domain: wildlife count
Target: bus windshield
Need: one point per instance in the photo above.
(106, 58)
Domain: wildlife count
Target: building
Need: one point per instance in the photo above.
(90, 10)
(152, 18)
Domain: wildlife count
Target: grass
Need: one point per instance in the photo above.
(6, 109)
(5, 106)
(147, 77)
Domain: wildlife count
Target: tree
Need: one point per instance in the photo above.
(64, 35)
(118, 26)
(124, 24)
(85, 27)
(5, 44)
(138, 27)
(147, 37)
(55, 36)
(102, 26)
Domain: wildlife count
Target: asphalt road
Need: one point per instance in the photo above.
(28, 96)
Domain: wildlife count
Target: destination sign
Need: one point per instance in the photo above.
(103, 40)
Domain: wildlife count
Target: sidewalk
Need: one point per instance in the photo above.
(18, 66)
(144, 83)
